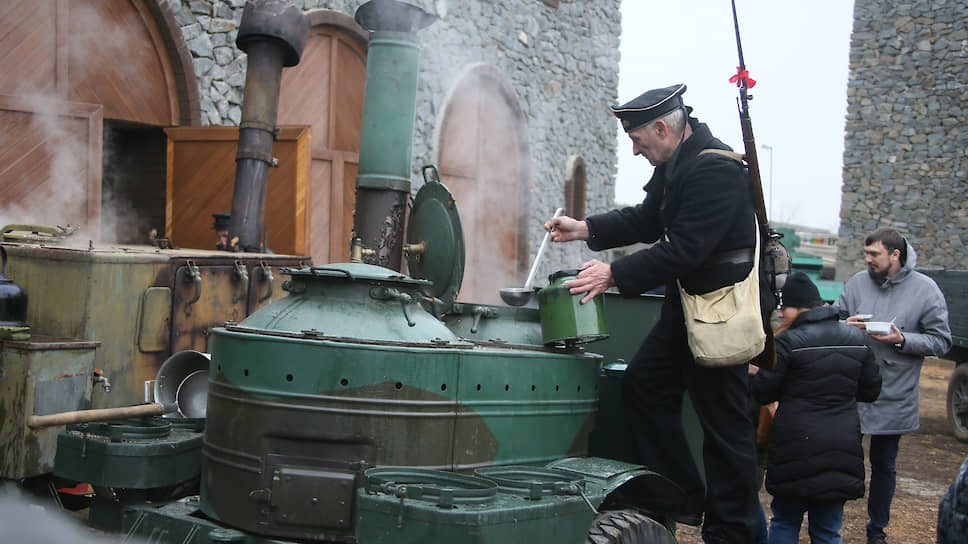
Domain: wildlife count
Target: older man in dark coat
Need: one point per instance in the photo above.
(699, 211)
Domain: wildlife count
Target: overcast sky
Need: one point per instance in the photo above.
(796, 51)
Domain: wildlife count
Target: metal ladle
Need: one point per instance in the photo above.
(519, 296)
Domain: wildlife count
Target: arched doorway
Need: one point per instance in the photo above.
(82, 84)
(325, 90)
(483, 157)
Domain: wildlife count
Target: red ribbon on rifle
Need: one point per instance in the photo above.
(742, 76)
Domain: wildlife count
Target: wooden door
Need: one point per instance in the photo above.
(483, 160)
(50, 163)
(325, 90)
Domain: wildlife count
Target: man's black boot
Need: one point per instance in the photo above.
(687, 518)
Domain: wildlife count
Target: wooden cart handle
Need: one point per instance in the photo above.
(104, 414)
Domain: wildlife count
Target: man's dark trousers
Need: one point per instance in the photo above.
(652, 391)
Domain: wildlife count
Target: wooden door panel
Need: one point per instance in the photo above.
(51, 163)
(117, 58)
(350, 64)
(28, 47)
(501, 175)
(320, 211)
(350, 170)
(201, 177)
(303, 96)
(332, 245)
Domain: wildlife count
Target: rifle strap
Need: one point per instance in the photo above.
(740, 158)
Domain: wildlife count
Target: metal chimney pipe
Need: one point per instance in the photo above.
(273, 34)
(386, 139)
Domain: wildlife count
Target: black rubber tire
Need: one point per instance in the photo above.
(628, 527)
(957, 403)
(953, 510)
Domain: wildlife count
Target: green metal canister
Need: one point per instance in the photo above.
(565, 321)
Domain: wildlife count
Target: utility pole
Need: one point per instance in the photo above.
(770, 149)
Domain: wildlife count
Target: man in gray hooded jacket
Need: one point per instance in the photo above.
(891, 290)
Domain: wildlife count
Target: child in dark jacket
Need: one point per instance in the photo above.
(816, 459)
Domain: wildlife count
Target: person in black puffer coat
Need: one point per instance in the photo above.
(953, 510)
(816, 459)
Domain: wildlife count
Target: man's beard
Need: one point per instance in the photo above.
(878, 277)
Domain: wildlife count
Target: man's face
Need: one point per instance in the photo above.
(651, 141)
(881, 263)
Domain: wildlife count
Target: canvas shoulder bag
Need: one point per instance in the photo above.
(724, 327)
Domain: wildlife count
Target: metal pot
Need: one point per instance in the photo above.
(565, 321)
(182, 381)
(13, 299)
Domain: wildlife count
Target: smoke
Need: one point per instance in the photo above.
(482, 151)
(26, 521)
(133, 188)
(56, 175)
(47, 182)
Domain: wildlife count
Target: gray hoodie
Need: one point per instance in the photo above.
(918, 308)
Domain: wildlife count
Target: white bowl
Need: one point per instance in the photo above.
(879, 328)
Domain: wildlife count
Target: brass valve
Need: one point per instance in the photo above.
(415, 250)
(357, 251)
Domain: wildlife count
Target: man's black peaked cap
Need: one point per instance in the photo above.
(649, 106)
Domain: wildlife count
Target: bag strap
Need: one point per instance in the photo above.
(756, 252)
(738, 157)
(754, 272)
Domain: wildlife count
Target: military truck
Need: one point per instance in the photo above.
(954, 285)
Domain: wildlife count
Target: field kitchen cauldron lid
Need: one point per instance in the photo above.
(435, 239)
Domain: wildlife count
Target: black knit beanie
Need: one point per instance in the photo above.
(800, 292)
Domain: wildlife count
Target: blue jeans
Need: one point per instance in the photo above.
(883, 455)
(824, 520)
(763, 537)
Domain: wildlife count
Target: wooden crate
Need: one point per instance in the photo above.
(201, 177)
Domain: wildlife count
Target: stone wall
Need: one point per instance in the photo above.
(906, 148)
(562, 63)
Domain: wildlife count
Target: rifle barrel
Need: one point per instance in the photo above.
(752, 162)
(739, 46)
